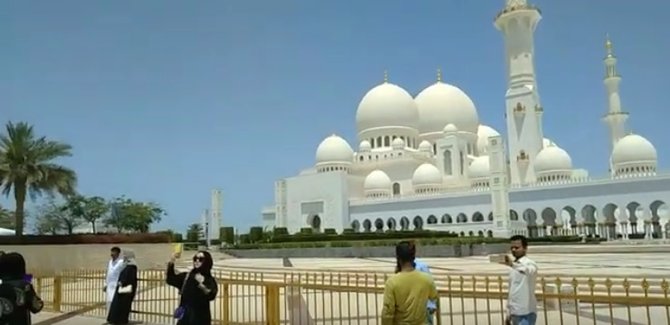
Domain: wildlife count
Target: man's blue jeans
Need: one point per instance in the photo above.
(528, 319)
(431, 316)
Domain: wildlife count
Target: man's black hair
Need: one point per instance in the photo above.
(521, 238)
(116, 250)
(404, 252)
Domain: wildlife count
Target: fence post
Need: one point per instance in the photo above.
(58, 293)
(272, 304)
(225, 305)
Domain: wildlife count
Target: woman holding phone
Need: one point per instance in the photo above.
(18, 298)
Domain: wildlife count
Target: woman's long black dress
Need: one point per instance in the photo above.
(18, 300)
(193, 299)
(119, 311)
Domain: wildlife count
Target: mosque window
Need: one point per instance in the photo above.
(396, 189)
(462, 163)
(447, 162)
(387, 141)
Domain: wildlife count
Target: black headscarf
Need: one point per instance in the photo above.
(207, 263)
(12, 266)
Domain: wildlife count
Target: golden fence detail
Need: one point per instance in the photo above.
(356, 298)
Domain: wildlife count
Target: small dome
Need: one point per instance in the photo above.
(398, 143)
(548, 142)
(484, 132)
(427, 174)
(377, 180)
(387, 105)
(364, 146)
(441, 104)
(552, 159)
(450, 128)
(334, 149)
(425, 146)
(479, 168)
(633, 149)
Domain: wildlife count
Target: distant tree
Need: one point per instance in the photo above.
(27, 167)
(90, 209)
(7, 219)
(48, 223)
(129, 215)
(194, 233)
(57, 215)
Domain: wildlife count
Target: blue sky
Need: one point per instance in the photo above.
(165, 99)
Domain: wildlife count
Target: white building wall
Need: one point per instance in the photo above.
(322, 194)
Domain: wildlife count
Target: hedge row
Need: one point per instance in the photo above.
(420, 241)
(331, 235)
(87, 239)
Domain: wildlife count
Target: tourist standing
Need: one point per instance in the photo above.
(114, 268)
(119, 311)
(521, 301)
(18, 298)
(423, 267)
(407, 292)
(196, 288)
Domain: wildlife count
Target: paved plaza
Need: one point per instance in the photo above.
(323, 306)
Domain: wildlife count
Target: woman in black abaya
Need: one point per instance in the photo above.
(18, 298)
(196, 288)
(119, 310)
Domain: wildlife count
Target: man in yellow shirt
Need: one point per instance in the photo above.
(407, 292)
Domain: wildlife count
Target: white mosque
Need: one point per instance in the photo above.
(428, 162)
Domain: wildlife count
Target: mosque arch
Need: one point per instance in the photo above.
(490, 216)
(379, 225)
(404, 223)
(367, 225)
(635, 212)
(477, 217)
(314, 221)
(446, 218)
(461, 218)
(396, 189)
(513, 215)
(609, 213)
(480, 233)
(530, 216)
(356, 226)
(569, 216)
(431, 220)
(471, 233)
(548, 216)
(418, 223)
(659, 218)
(589, 214)
(489, 233)
(391, 224)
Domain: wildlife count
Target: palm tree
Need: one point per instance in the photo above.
(27, 167)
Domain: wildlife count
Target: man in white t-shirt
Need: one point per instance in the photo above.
(521, 301)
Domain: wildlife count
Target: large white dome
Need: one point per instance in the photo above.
(633, 149)
(441, 104)
(334, 149)
(377, 180)
(552, 159)
(427, 174)
(484, 132)
(387, 105)
(479, 167)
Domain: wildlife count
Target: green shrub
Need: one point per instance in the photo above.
(244, 239)
(227, 235)
(348, 231)
(330, 231)
(280, 231)
(139, 238)
(256, 234)
(306, 231)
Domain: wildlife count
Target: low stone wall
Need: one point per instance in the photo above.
(373, 251)
(54, 258)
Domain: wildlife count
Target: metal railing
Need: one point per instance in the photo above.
(356, 298)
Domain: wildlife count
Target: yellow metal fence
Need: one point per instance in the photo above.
(356, 298)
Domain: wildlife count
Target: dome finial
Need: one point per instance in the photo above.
(439, 75)
(386, 76)
(608, 45)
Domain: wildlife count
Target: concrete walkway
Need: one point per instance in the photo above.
(48, 318)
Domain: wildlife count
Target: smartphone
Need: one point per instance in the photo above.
(28, 278)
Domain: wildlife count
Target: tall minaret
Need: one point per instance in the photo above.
(615, 117)
(517, 22)
(215, 211)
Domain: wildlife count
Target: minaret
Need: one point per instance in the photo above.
(215, 222)
(615, 117)
(502, 225)
(517, 22)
